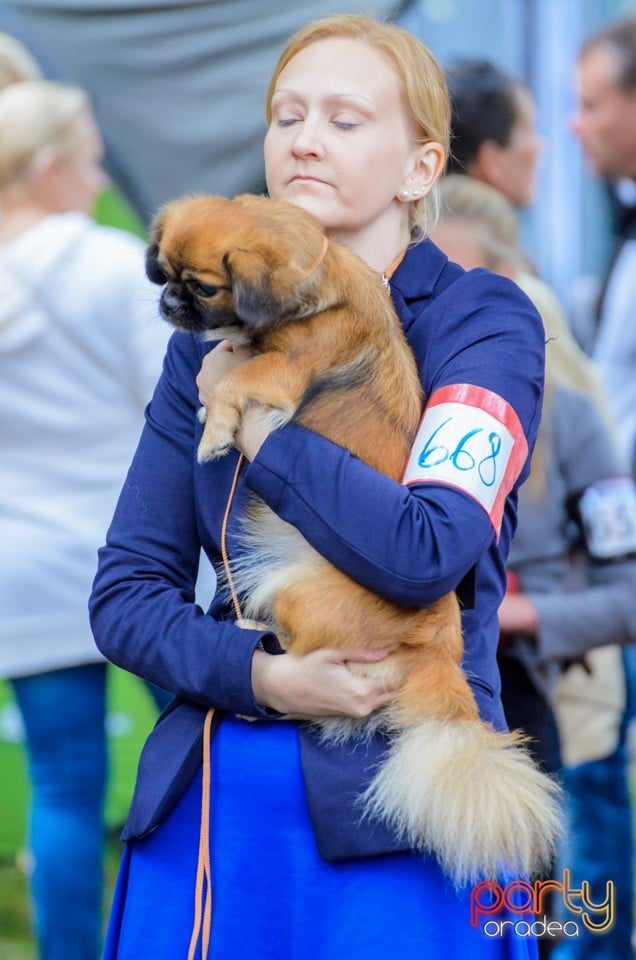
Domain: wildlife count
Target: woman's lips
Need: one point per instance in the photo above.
(305, 178)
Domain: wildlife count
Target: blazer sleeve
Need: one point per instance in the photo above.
(602, 611)
(412, 545)
(143, 613)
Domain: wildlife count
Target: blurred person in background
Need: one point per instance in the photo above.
(577, 498)
(483, 142)
(494, 136)
(79, 355)
(605, 124)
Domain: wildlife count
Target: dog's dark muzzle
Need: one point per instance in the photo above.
(171, 300)
(178, 311)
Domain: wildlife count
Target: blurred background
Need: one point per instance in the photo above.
(178, 90)
(178, 87)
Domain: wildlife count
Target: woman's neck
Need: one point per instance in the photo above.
(379, 244)
(16, 217)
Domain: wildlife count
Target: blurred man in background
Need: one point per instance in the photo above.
(605, 124)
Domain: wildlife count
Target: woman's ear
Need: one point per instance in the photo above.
(44, 169)
(427, 166)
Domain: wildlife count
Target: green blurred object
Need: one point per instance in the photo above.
(113, 210)
(13, 777)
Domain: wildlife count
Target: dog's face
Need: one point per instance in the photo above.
(236, 265)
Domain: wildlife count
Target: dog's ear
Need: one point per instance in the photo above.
(256, 301)
(154, 270)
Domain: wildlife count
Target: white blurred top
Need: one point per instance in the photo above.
(81, 347)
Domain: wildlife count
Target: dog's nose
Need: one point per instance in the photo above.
(171, 298)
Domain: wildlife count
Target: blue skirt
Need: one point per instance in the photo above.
(274, 897)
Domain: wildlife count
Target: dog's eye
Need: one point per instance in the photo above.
(202, 289)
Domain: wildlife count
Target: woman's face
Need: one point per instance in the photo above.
(519, 158)
(341, 140)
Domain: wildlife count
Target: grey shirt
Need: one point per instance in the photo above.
(578, 454)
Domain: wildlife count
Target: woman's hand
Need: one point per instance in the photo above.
(219, 361)
(255, 428)
(319, 684)
(255, 425)
(518, 614)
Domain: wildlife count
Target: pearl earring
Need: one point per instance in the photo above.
(413, 194)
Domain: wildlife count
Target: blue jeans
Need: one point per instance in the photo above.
(601, 842)
(63, 713)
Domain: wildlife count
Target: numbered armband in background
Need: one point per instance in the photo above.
(471, 439)
(607, 512)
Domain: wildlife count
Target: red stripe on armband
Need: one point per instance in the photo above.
(471, 439)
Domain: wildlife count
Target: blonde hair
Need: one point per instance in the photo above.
(37, 119)
(16, 63)
(422, 77)
(466, 198)
(489, 213)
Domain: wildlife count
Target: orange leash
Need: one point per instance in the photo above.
(203, 885)
(202, 924)
(224, 553)
(314, 266)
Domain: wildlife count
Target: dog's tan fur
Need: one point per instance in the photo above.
(328, 320)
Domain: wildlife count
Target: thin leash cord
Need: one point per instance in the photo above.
(314, 266)
(224, 553)
(202, 924)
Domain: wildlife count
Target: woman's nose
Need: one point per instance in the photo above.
(307, 142)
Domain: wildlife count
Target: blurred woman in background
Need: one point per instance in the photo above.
(79, 355)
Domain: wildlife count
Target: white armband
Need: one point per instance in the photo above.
(470, 438)
(608, 514)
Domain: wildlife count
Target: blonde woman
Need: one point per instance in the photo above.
(358, 120)
(79, 354)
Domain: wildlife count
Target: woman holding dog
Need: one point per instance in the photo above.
(295, 873)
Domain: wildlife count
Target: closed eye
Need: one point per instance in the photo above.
(202, 289)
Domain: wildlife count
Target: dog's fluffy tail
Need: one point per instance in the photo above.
(469, 795)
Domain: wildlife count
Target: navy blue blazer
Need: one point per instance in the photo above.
(411, 544)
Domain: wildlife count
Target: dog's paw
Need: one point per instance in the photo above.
(219, 431)
(211, 450)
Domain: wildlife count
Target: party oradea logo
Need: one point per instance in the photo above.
(525, 908)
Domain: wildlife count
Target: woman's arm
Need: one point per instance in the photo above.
(411, 544)
(603, 613)
(142, 607)
(143, 612)
(602, 502)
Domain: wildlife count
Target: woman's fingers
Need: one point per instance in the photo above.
(219, 361)
(319, 684)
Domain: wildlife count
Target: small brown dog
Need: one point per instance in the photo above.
(329, 353)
